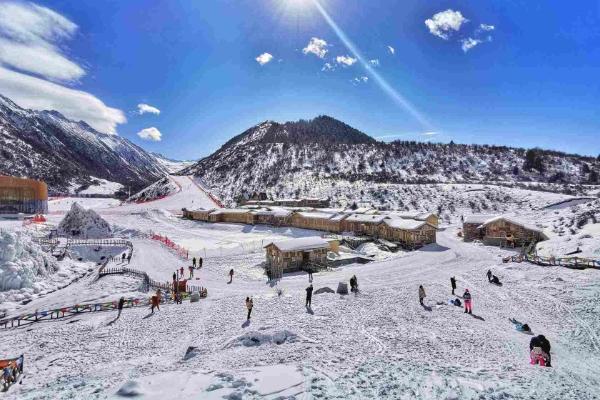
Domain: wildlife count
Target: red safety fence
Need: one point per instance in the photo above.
(181, 251)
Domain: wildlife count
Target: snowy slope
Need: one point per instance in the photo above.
(70, 156)
(172, 166)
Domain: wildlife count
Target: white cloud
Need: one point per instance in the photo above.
(316, 46)
(469, 43)
(152, 134)
(30, 37)
(31, 48)
(443, 23)
(360, 79)
(391, 50)
(328, 67)
(374, 62)
(147, 108)
(38, 94)
(430, 133)
(485, 27)
(264, 58)
(346, 60)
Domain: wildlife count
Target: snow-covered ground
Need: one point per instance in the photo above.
(378, 344)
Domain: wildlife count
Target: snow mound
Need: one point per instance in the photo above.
(22, 262)
(254, 338)
(79, 222)
(130, 389)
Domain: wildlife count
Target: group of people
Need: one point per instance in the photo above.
(493, 278)
(10, 371)
(126, 256)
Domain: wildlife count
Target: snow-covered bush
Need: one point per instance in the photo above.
(22, 262)
(82, 223)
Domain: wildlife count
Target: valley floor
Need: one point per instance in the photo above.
(379, 343)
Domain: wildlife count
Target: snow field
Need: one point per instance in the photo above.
(378, 344)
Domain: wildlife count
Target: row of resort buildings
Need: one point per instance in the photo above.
(411, 230)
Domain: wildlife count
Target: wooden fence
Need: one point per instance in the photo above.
(568, 262)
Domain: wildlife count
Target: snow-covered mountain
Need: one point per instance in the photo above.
(173, 166)
(316, 157)
(70, 156)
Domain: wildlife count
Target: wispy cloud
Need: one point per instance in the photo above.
(147, 109)
(360, 79)
(34, 66)
(469, 43)
(430, 133)
(346, 61)
(374, 62)
(316, 46)
(151, 134)
(391, 50)
(485, 27)
(443, 23)
(328, 67)
(264, 58)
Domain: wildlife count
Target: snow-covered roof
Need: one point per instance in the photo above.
(415, 215)
(202, 210)
(276, 212)
(230, 211)
(513, 221)
(478, 219)
(315, 214)
(404, 223)
(305, 243)
(339, 216)
(366, 218)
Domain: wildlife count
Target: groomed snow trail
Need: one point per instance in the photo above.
(378, 344)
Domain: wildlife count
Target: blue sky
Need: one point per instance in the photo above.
(512, 72)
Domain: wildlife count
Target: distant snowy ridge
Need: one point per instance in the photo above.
(313, 157)
(173, 166)
(70, 156)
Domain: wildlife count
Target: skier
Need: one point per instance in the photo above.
(467, 298)
(249, 305)
(231, 275)
(194, 262)
(489, 275)
(422, 294)
(309, 291)
(453, 284)
(120, 306)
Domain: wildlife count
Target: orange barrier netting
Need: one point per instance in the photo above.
(181, 251)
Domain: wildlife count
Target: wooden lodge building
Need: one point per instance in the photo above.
(393, 227)
(296, 254)
(500, 231)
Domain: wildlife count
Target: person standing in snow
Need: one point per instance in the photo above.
(155, 300)
(489, 275)
(468, 299)
(200, 262)
(129, 257)
(453, 284)
(123, 258)
(422, 294)
(120, 306)
(194, 262)
(174, 276)
(249, 306)
(231, 275)
(309, 292)
(181, 272)
(310, 276)
(191, 272)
